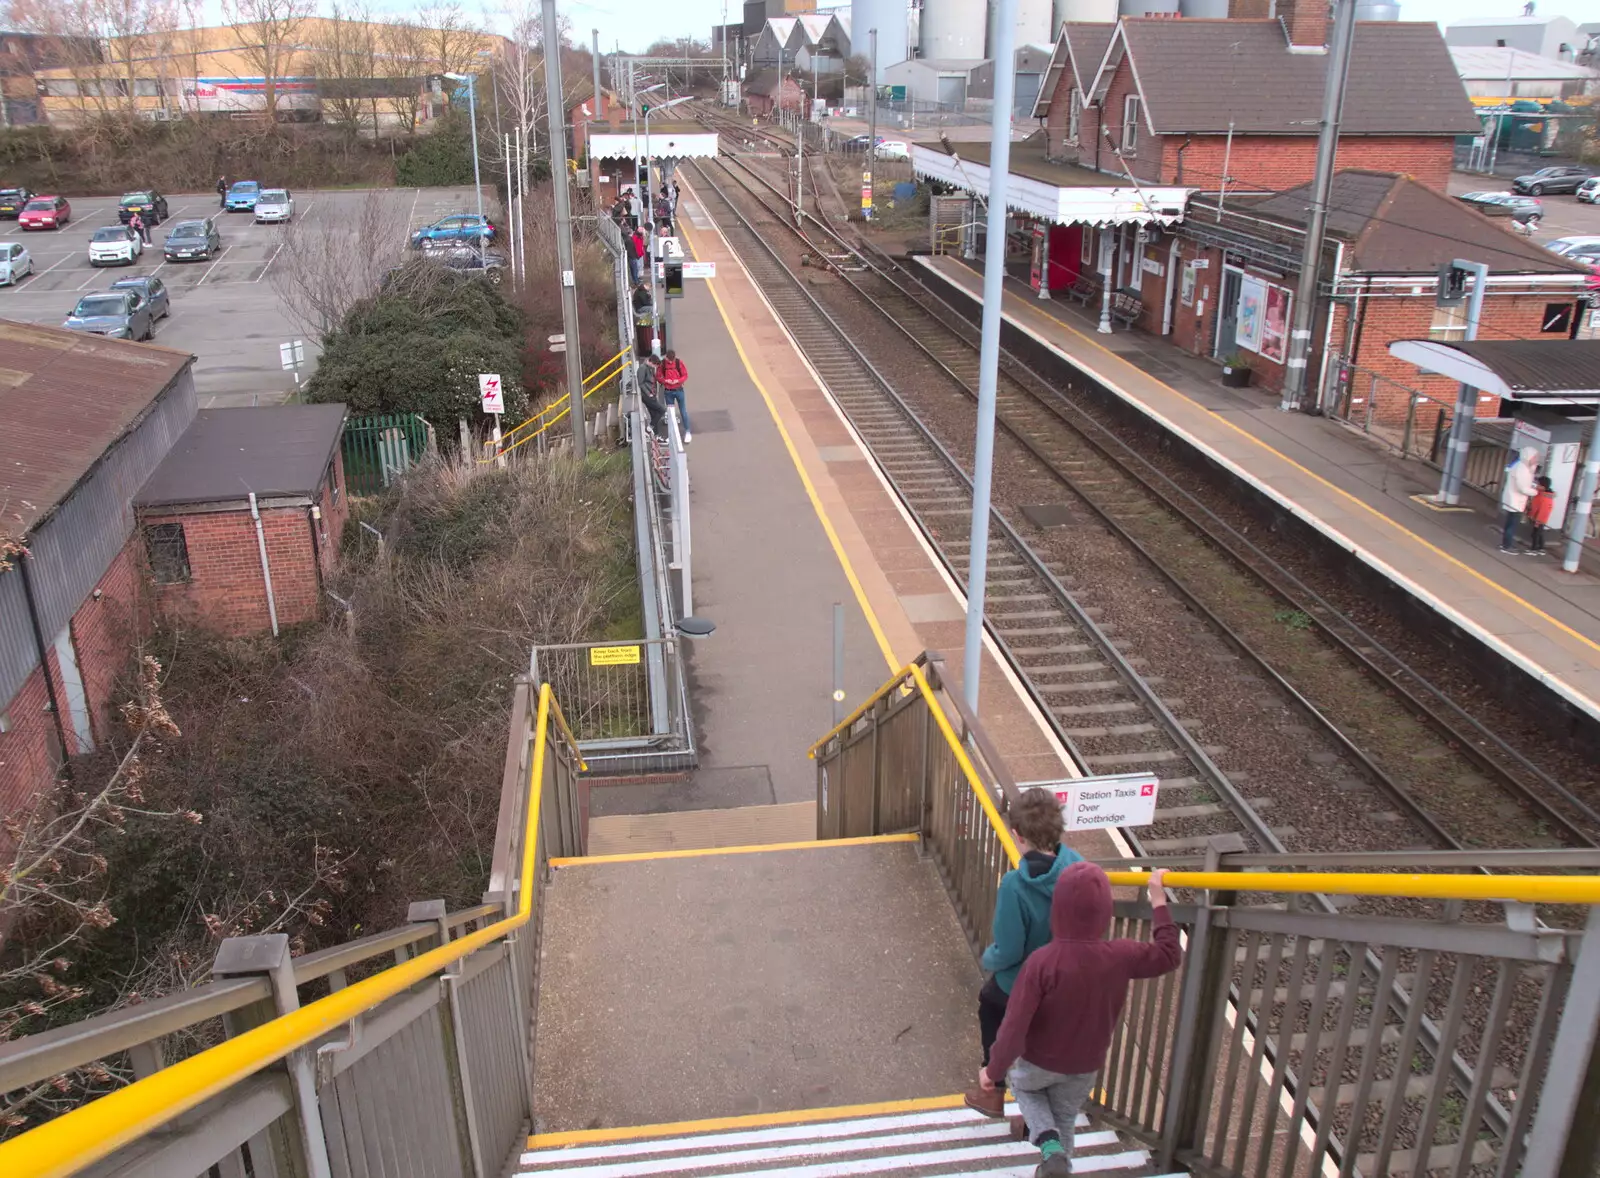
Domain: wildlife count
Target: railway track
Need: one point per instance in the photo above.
(1161, 520)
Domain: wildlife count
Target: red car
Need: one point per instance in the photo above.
(45, 212)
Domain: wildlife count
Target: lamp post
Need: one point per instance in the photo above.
(657, 303)
(633, 102)
(477, 180)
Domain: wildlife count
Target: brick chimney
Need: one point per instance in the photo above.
(1306, 22)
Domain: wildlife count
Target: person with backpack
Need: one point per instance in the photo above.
(1066, 1004)
(673, 374)
(1540, 504)
(1021, 921)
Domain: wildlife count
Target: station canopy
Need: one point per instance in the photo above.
(1562, 371)
(1066, 194)
(671, 141)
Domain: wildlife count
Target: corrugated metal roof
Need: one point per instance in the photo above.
(1497, 63)
(65, 398)
(276, 451)
(1538, 366)
(1198, 75)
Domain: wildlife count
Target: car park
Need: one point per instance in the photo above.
(12, 200)
(16, 263)
(1588, 192)
(468, 227)
(147, 202)
(274, 205)
(192, 241)
(120, 314)
(1560, 178)
(45, 212)
(115, 245)
(151, 289)
(242, 196)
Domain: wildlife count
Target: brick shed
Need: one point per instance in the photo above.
(83, 422)
(217, 559)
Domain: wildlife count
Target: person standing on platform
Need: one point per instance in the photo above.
(1516, 486)
(1540, 504)
(1021, 921)
(650, 396)
(1066, 1004)
(674, 374)
(635, 242)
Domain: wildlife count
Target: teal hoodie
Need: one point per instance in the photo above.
(1022, 916)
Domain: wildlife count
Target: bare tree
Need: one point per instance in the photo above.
(268, 32)
(404, 47)
(112, 48)
(327, 264)
(519, 75)
(342, 52)
(453, 42)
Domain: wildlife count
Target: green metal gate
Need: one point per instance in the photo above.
(380, 447)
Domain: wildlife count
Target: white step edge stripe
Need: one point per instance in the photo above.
(998, 1146)
(814, 1131)
(916, 1163)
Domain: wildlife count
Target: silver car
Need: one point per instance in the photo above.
(119, 314)
(275, 205)
(115, 245)
(16, 263)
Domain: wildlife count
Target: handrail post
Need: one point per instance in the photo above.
(1564, 1144)
(454, 1041)
(1205, 984)
(268, 957)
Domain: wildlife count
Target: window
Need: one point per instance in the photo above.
(60, 88)
(146, 88)
(1130, 123)
(1448, 323)
(1074, 115)
(169, 553)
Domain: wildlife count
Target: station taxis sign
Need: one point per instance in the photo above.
(1121, 799)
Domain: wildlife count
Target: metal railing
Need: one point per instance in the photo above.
(1447, 1025)
(422, 1065)
(378, 448)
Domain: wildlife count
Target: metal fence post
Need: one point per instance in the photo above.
(268, 957)
(1564, 1144)
(1205, 984)
(454, 1041)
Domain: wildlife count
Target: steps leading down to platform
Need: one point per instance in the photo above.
(946, 1141)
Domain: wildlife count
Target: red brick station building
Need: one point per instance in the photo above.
(1176, 156)
(131, 502)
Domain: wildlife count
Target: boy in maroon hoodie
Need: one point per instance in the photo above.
(1065, 1005)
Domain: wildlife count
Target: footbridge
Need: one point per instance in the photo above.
(804, 1010)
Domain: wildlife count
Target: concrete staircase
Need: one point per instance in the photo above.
(824, 1143)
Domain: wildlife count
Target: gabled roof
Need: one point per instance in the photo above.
(814, 26)
(66, 398)
(1078, 50)
(781, 28)
(1199, 76)
(1394, 225)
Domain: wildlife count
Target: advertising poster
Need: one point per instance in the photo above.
(1186, 291)
(1252, 311)
(1275, 328)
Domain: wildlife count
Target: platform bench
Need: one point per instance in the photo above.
(1126, 308)
(1084, 290)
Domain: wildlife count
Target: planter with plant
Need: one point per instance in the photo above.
(1235, 371)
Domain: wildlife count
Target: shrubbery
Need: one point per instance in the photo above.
(441, 158)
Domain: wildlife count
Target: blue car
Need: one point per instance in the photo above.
(458, 227)
(242, 196)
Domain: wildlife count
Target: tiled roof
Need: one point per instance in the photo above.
(1198, 76)
(1078, 49)
(66, 397)
(1394, 225)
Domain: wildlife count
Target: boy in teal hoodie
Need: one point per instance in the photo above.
(1021, 921)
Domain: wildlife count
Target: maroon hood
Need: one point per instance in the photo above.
(1081, 907)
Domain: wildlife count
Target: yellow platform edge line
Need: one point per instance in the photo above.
(756, 848)
(1353, 500)
(802, 1116)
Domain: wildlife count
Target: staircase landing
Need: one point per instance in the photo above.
(727, 982)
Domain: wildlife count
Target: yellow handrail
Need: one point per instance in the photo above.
(84, 1136)
(565, 397)
(1527, 889)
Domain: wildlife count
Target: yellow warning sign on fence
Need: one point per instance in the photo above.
(613, 656)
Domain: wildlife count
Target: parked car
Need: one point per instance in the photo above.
(151, 289)
(120, 314)
(192, 241)
(1571, 245)
(16, 263)
(1561, 178)
(489, 263)
(857, 143)
(458, 227)
(893, 149)
(242, 196)
(12, 200)
(274, 205)
(1504, 204)
(147, 202)
(115, 245)
(1588, 192)
(45, 212)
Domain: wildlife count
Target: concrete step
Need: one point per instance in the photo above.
(698, 830)
(944, 1141)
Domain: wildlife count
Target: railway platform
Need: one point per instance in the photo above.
(1543, 621)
